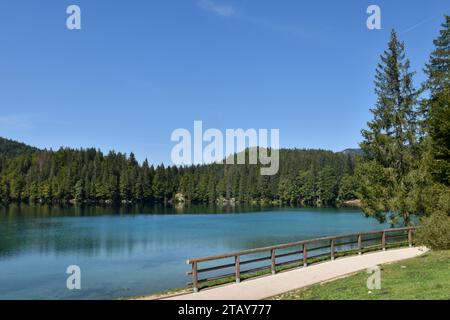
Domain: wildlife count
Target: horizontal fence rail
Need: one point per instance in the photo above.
(304, 251)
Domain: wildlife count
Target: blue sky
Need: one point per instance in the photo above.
(140, 69)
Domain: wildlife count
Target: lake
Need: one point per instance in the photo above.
(141, 250)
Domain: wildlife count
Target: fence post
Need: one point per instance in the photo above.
(383, 240)
(273, 261)
(305, 255)
(194, 276)
(238, 268)
(359, 244)
(332, 249)
(410, 237)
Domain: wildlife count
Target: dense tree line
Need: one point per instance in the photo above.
(310, 177)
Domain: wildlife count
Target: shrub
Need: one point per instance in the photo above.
(435, 231)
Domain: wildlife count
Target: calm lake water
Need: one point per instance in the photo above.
(141, 250)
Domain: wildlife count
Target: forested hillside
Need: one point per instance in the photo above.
(14, 148)
(309, 177)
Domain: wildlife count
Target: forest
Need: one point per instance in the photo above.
(308, 177)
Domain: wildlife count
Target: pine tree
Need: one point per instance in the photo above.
(438, 106)
(438, 67)
(347, 188)
(79, 191)
(159, 184)
(307, 187)
(439, 131)
(327, 186)
(390, 143)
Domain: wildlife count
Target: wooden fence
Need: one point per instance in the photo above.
(306, 250)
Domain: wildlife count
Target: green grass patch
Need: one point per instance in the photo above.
(425, 277)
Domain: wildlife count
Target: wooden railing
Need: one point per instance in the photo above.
(306, 250)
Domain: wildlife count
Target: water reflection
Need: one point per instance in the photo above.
(50, 210)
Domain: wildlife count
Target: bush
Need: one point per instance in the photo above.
(435, 232)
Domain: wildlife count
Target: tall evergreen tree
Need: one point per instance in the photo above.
(438, 106)
(439, 135)
(390, 143)
(438, 67)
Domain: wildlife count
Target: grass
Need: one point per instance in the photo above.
(423, 278)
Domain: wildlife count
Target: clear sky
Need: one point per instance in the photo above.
(137, 70)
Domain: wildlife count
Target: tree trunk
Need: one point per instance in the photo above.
(406, 219)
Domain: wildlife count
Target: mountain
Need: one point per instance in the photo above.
(13, 148)
(353, 152)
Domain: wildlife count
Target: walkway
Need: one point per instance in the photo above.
(268, 286)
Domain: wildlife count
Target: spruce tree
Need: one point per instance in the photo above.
(390, 143)
(438, 67)
(439, 137)
(438, 106)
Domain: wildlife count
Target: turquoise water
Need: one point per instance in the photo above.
(137, 251)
